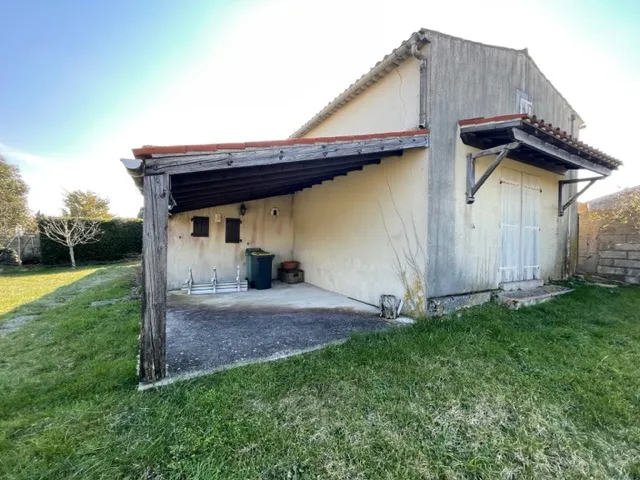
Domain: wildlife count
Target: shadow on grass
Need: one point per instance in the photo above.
(30, 291)
(71, 350)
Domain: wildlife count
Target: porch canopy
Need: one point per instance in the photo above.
(189, 177)
(539, 143)
(224, 173)
(530, 140)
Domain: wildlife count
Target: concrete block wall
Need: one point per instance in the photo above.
(609, 249)
(618, 255)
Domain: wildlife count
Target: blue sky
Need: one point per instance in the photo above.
(84, 82)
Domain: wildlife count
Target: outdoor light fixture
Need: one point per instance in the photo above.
(243, 209)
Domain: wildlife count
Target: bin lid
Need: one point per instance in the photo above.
(251, 250)
(262, 253)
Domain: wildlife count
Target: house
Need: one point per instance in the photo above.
(432, 178)
(609, 239)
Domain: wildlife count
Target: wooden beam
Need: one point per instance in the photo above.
(547, 148)
(562, 207)
(154, 265)
(281, 155)
(472, 185)
(263, 179)
(242, 173)
(221, 192)
(239, 189)
(186, 207)
(580, 180)
(240, 194)
(494, 150)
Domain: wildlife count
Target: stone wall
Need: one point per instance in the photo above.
(608, 248)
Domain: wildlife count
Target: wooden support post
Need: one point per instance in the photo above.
(472, 185)
(562, 207)
(471, 177)
(154, 264)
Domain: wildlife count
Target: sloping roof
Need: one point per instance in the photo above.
(388, 64)
(150, 151)
(541, 129)
(225, 173)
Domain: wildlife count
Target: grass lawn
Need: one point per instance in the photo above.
(547, 392)
(20, 286)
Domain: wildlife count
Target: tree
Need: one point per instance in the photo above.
(71, 232)
(13, 200)
(85, 204)
(622, 207)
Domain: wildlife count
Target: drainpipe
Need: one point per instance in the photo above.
(415, 51)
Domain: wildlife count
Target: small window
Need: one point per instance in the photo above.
(232, 230)
(524, 104)
(526, 107)
(200, 227)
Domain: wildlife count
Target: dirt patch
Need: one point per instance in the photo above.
(14, 324)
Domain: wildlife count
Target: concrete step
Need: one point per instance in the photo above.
(521, 285)
(526, 298)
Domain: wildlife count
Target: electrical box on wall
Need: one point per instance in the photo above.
(217, 218)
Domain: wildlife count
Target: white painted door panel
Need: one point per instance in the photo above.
(510, 225)
(519, 227)
(530, 227)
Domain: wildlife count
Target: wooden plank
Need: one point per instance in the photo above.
(242, 173)
(154, 300)
(554, 151)
(186, 207)
(490, 126)
(474, 187)
(243, 195)
(179, 190)
(423, 94)
(579, 180)
(494, 150)
(471, 177)
(575, 197)
(220, 191)
(273, 156)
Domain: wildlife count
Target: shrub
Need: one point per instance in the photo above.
(121, 239)
(8, 256)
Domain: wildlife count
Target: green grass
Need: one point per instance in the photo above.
(20, 286)
(547, 392)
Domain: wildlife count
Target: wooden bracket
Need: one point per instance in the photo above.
(562, 207)
(472, 185)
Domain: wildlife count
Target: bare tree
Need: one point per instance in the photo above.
(71, 232)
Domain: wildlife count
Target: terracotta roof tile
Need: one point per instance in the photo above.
(148, 150)
(547, 128)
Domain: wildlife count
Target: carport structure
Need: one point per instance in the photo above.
(189, 177)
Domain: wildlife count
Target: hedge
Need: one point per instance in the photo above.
(121, 238)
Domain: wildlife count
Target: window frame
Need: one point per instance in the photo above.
(200, 226)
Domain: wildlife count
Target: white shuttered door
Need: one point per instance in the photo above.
(530, 227)
(510, 223)
(519, 226)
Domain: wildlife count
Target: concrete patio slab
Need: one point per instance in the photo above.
(206, 333)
